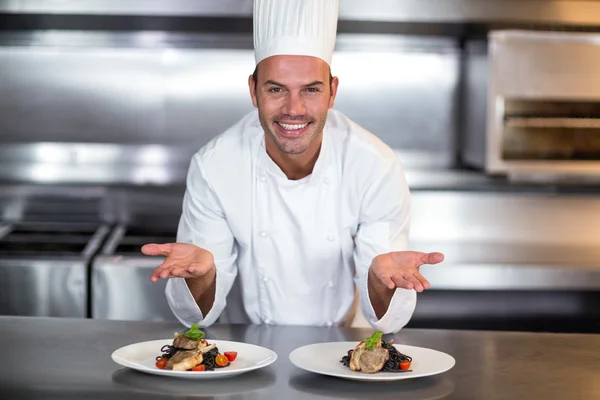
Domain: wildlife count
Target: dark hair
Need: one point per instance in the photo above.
(255, 77)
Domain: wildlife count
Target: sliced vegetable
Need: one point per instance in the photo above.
(221, 360)
(231, 355)
(404, 365)
(161, 363)
(200, 367)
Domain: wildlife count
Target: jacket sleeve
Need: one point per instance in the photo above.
(203, 224)
(383, 227)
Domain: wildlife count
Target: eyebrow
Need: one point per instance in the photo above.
(271, 82)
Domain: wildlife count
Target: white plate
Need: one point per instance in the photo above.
(324, 358)
(142, 357)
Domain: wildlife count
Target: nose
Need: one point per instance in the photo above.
(294, 105)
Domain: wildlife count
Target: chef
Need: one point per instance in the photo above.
(295, 204)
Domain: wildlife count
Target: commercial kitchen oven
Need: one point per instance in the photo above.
(533, 105)
(44, 267)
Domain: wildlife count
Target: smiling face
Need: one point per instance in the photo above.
(293, 95)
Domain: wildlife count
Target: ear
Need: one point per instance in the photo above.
(252, 87)
(334, 87)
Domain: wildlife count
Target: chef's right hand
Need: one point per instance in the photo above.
(182, 260)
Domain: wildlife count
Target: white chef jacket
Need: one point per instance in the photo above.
(294, 248)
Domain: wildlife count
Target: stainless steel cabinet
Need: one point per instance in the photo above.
(44, 268)
(120, 281)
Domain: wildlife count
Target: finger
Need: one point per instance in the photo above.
(402, 283)
(197, 270)
(431, 258)
(159, 272)
(179, 272)
(424, 282)
(415, 282)
(155, 249)
(386, 281)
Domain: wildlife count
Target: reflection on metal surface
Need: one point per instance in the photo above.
(139, 7)
(475, 303)
(505, 219)
(107, 100)
(516, 276)
(81, 95)
(43, 268)
(577, 123)
(252, 384)
(315, 386)
(120, 283)
(122, 290)
(43, 288)
(77, 154)
(440, 11)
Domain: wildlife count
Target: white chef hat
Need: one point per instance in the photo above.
(295, 27)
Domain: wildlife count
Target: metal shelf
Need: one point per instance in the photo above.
(571, 123)
(567, 12)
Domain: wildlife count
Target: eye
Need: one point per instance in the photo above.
(312, 90)
(274, 90)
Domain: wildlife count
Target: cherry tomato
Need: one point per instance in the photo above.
(161, 363)
(231, 355)
(221, 360)
(404, 365)
(200, 367)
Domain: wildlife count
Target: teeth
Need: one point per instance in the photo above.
(289, 127)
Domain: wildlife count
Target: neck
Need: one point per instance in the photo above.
(295, 166)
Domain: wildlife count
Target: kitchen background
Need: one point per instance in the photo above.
(494, 107)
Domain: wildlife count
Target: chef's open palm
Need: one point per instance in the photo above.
(401, 269)
(182, 260)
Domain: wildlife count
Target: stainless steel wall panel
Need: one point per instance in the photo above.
(118, 108)
(505, 218)
(206, 93)
(93, 95)
(413, 11)
(405, 98)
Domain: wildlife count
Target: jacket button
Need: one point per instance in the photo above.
(327, 181)
(331, 284)
(263, 179)
(330, 238)
(263, 234)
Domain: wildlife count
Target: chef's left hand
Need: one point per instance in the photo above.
(401, 269)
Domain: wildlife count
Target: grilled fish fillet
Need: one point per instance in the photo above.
(184, 360)
(183, 342)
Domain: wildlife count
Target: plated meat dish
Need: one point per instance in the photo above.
(374, 355)
(191, 352)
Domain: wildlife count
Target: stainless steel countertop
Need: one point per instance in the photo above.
(70, 359)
